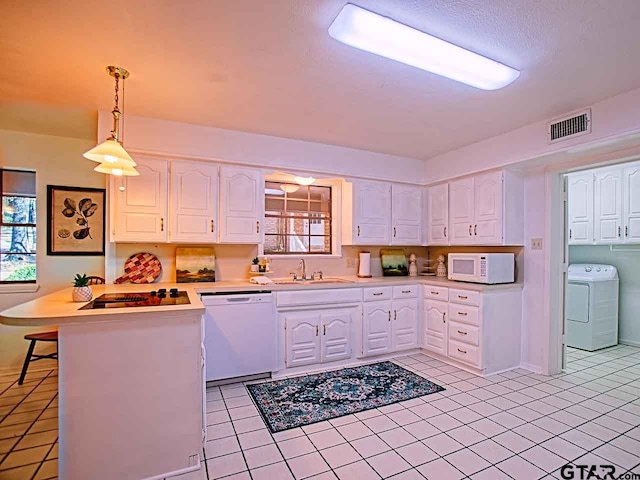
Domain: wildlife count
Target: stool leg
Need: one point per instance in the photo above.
(27, 359)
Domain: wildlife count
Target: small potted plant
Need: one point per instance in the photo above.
(81, 289)
(255, 265)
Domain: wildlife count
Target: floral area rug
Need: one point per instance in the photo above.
(298, 401)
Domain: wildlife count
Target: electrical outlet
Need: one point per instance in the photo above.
(536, 244)
(351, 262)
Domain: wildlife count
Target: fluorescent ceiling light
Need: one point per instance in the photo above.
(383, 36)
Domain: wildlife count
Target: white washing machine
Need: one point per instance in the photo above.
(592, 306)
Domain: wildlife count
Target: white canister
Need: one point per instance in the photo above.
(364, 267)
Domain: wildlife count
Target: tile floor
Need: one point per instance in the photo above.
(515, 425)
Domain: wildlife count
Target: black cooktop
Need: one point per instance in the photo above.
(139, 299)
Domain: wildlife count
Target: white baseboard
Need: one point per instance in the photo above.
(629, 342)
(532, 368)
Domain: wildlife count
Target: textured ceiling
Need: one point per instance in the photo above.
(270, 67)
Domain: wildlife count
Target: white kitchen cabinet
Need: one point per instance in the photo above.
(487, 204)
(631, 207)
(405, 324)
(336, 335)
(302, 338)
(139, 204)
(461, 211)
(406, 214)
(366, 213)
(580, 197)
(478, 329)
(241, 205)
(376, 328)
(438, 214)
(193, 208)
(608, 206)
(435, 326)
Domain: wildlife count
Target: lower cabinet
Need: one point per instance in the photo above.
(389, 326)
(435, 326)
(318, 336)
(478, 329)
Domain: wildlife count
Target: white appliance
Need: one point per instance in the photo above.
(482, 267)
(240, 334)
(592, 306)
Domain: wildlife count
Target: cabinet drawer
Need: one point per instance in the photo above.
(466, 297)
(464, 333)
(409, 291)
(375, 294)
(295, 298)
(464, 313)
(437, 293)
(435, 344)
(465, 353)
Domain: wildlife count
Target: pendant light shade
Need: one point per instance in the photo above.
(305, 181)
(117, 169)
(110, 151)
(110, 154)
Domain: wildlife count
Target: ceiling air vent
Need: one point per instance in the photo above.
(568, 127)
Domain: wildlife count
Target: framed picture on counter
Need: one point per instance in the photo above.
(75, 220)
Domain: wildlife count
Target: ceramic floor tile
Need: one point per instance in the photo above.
(380, 424)
(353, 431)
(397, 437)
(466, 435)
(518, 468)
(543, 458)
(618, 456)
(564, 448)
(514, 442)
(356, 471)
(227, 465)
(295, 447)
(277, 471)
(326, 438)
(221, 446)
(491, 451)
(491, 473)
(440, 469)
(417, 453)
(442, 444)
(254, 439)
(340, 455)
(369, 446)
(467, 461)
(307, 465)
(261, 456)
(388, 464)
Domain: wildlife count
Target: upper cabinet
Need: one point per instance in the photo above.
(194, 202)
(438, 215)
(604, 206)
(580, 208)
(381, 213)
(139, 204)
(241, 205)
(608, 206)
(406, 214)
(486, 209)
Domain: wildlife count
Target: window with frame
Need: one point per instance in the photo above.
(18, 227)
(297, 219)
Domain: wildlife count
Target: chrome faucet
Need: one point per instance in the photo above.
(304, 269)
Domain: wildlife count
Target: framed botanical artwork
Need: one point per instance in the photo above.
(75, 220)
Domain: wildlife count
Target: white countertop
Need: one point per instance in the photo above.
(58, 309)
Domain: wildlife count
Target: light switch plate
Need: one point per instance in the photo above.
(536, 244)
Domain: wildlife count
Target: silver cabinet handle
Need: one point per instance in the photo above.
(462, 351)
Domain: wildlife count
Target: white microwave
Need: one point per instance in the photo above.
(482, 267)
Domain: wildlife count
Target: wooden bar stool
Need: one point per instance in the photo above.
(46, 337)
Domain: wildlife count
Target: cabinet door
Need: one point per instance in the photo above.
(140, 211)
(376, 328)
(193, 202)
(241, 205)
(608, 206)
(405, 324)
(461, 211)
(406, 214)
(487, 204)
(372, 213)
(435, 325)
(580, 208)
(438, 215)
(303, 338)
(336, 335)
(631, 192)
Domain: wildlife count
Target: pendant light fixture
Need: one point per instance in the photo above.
(110, 154)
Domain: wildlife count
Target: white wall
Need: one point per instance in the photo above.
(628, 265)
(185, 140)
(56, 161)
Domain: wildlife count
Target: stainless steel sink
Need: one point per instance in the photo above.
(287, 281)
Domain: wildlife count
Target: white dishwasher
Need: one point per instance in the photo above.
(240, 334)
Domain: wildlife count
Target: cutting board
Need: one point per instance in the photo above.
(141, 268)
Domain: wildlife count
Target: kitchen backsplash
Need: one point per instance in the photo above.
(232, 261)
